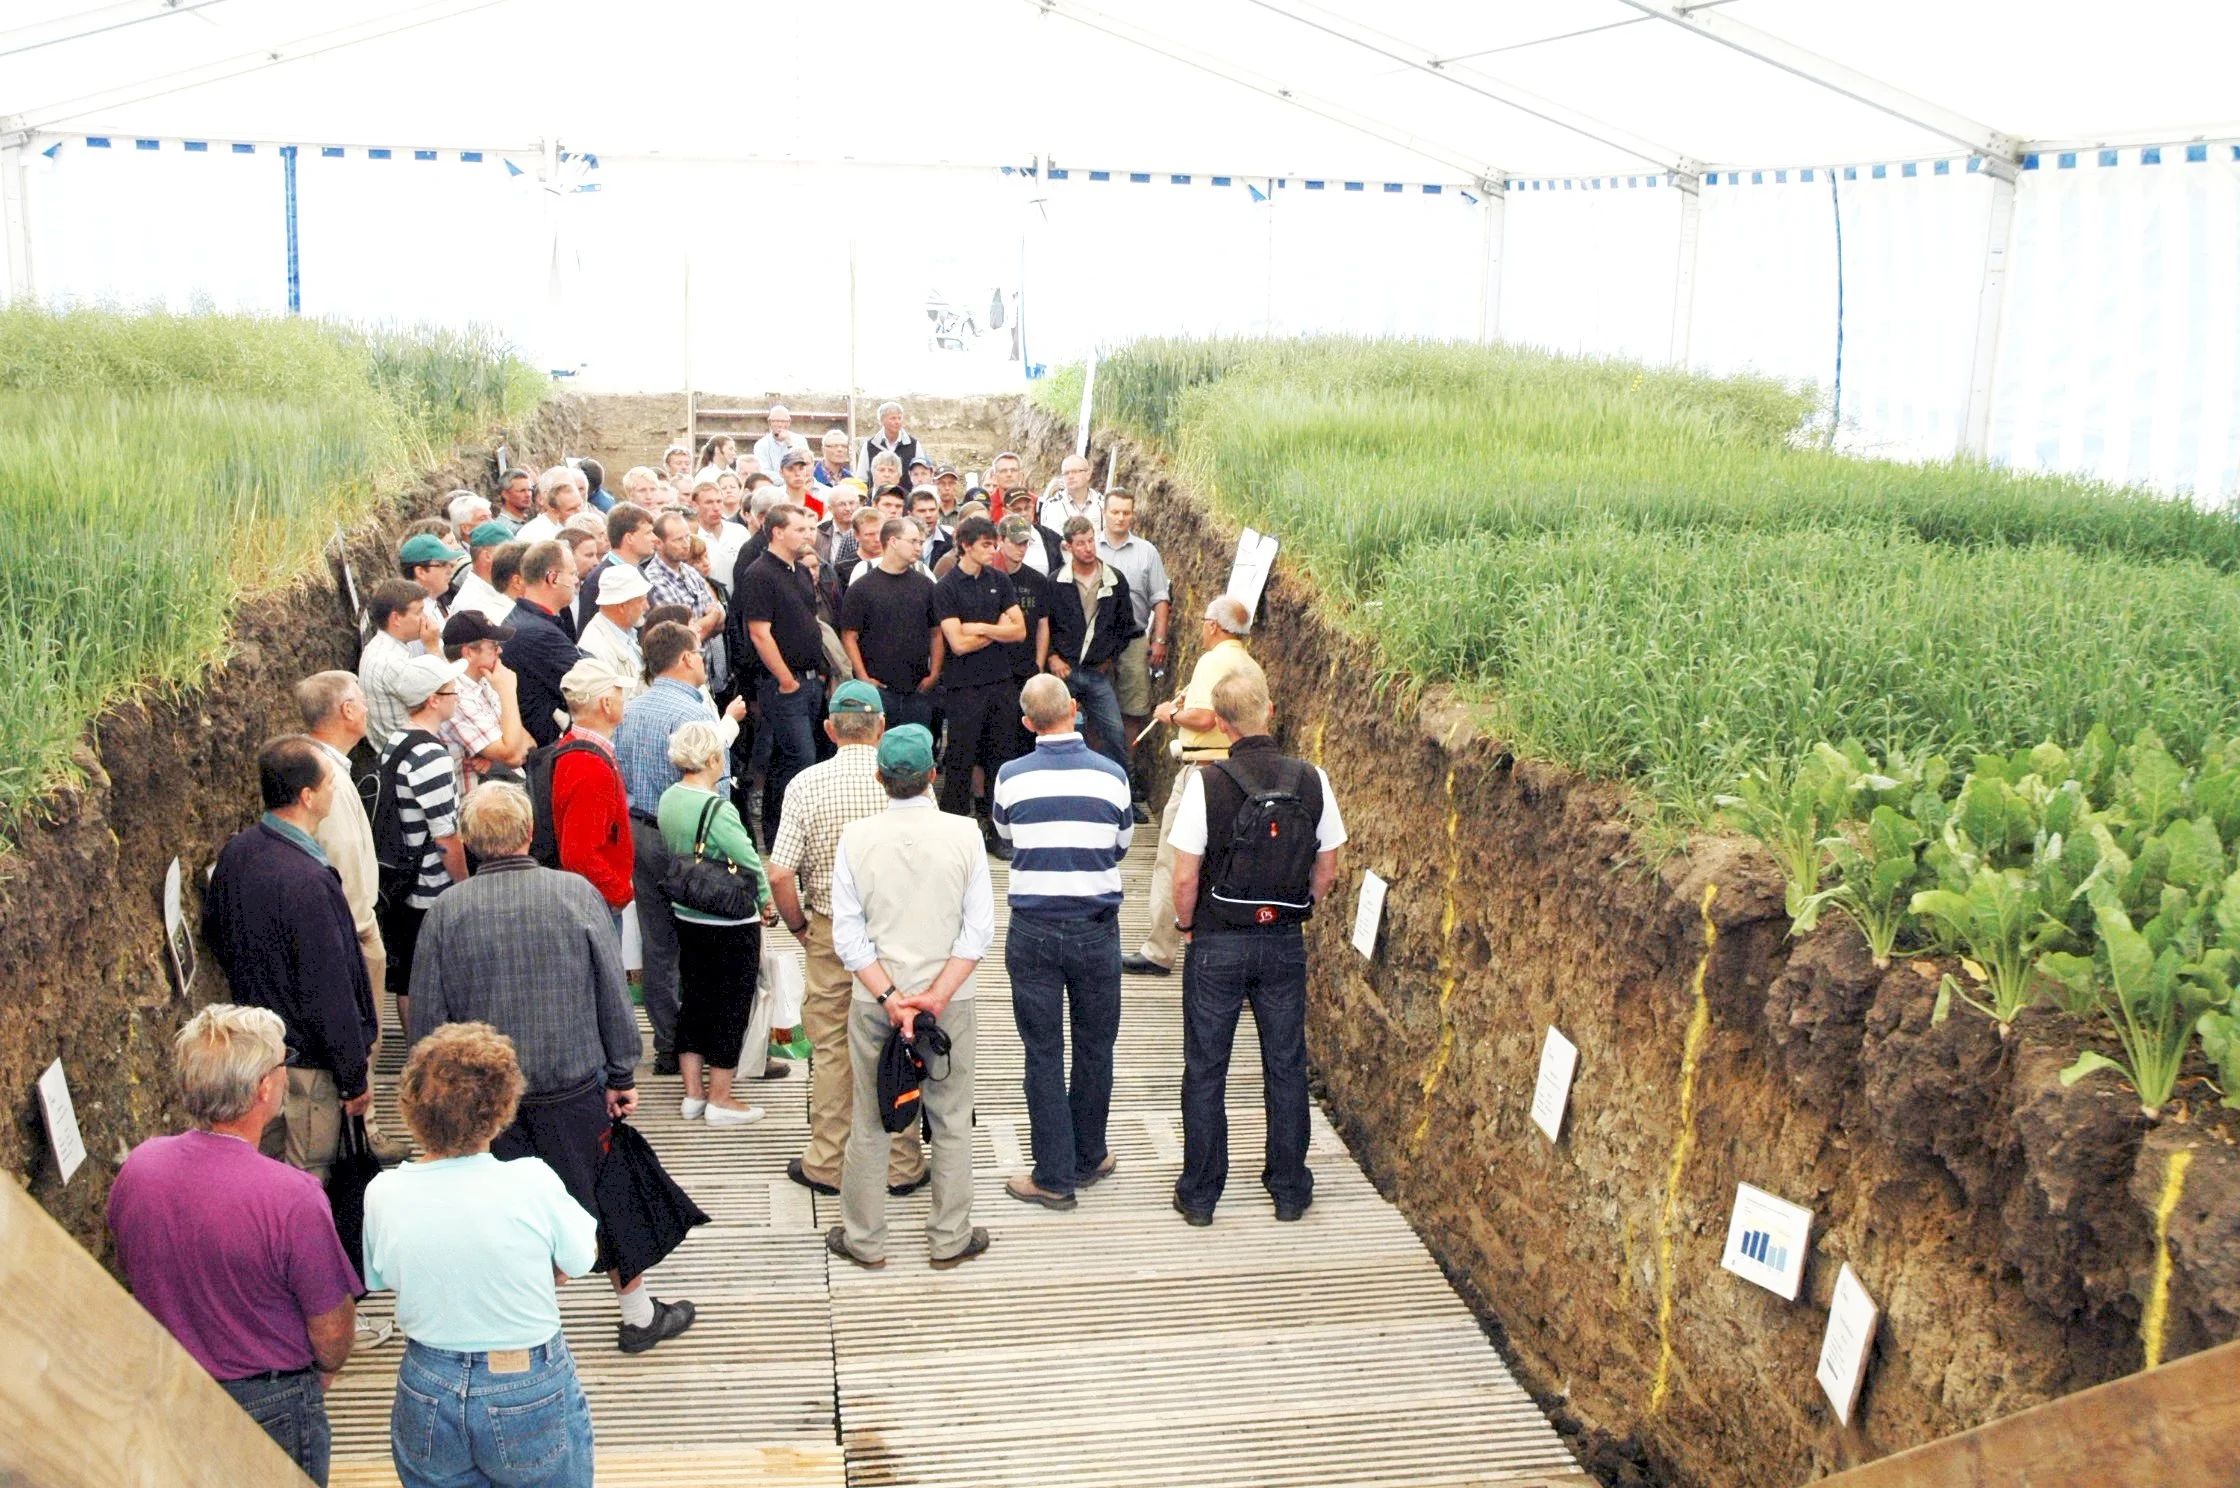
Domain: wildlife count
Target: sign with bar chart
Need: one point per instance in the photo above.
(1766, 1241)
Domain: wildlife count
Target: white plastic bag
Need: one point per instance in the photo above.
(782, 980)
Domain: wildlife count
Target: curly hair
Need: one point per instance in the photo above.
(459, 1088)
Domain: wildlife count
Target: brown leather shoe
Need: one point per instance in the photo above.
(1097, 1174)
(972, 1247)
(1027, 1191)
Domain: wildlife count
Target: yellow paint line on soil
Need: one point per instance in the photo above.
(2157, 1319)
(1691, 1055)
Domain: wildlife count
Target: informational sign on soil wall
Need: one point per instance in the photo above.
(62, 1120)
(1368, 914)
(1551, 1092)
(1766, 1241)
(1848, 1341)
(1256, 559)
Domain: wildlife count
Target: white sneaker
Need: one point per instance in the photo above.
(690, 1109)
(726, 1116)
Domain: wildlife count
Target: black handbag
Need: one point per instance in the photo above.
(354, 1167)
(710, 886)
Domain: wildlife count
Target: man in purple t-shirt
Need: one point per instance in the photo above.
(233, 1251)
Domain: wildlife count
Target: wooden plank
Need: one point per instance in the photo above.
(2179, 1424)
(93, 1390)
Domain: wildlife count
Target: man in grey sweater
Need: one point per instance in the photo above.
(532, 952)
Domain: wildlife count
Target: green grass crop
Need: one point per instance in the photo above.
(153, 469)
(1663, 577)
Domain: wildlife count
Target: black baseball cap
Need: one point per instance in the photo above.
(469, 626)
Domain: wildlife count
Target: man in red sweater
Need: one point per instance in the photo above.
(590, 813)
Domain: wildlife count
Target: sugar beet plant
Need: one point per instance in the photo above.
(2101, 880)
(155, 467)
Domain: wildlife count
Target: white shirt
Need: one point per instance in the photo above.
(539, 528)
(476, 594)
(1055, 510)
(603, 640)
(1190, 817)
(769, 450)
(723, 548)
(851, 940)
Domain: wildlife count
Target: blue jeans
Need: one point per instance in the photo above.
(456, 1424)
(293, 1412)
(912, 706)
(1100, 710)
(1057, 966)
(1221, 973)
(787, 738)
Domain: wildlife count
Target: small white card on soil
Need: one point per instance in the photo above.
(1551, 1092)
(1766, 1241)
(175, 936)
(1368, 914)
(1256, 558)
(62, 1120)
(1849, 1339)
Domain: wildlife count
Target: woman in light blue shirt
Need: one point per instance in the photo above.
(473, 1248)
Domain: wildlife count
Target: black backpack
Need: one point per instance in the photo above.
(1266, 876)
(544, 840)
(397, 860)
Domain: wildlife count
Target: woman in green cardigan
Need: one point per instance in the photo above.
(717, 958)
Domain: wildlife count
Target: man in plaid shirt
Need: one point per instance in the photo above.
(676, 582)
(486, 729)
(820, 802)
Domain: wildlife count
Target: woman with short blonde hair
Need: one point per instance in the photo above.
(473, 1248)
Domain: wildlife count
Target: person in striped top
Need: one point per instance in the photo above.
(1064, 809)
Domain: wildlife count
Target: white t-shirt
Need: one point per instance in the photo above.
(1190, 817)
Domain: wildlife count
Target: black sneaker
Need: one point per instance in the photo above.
(665, 1062)
(904, 1190)
(1290, 1213)
(999, 849)
(1137, 964)
(1198, 1218)
(800, 1175)
(669, 1319)
(1141, 814)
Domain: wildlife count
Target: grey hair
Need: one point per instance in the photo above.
(835, 436)
(850, 727)
(904, 785)
(695, 745)
(1046, 701)
(220, 1055)
(1240, 700)
(889, 407)
(552, 480)
(764, 498)
(885, 458)
(319, 696)
(779, 410)
(497, 821)
(461, 510)
(1228, 612)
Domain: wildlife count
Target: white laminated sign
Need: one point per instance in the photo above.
(62, 1120)
(1551, 1092)
(1766, 1241)
(1849, 1340)
(1256, 559)
(1368, 914)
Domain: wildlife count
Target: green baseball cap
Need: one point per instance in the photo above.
(490, 534)
(856, 697)
(907, 749)
(426, 547)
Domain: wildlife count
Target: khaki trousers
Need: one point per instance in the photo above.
(308, 1129)
(948, 1105)
(826, 990)
(1165, 941)
(377, 967)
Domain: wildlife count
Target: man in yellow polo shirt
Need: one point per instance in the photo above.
(1221, 635)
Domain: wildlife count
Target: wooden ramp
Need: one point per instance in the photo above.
(1110, 1346)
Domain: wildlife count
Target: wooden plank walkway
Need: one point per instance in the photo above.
(1110, 1347)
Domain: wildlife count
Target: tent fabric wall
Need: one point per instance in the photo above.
(2119, 355)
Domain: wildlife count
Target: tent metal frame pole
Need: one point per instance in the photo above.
(1991, 310)
(295, 261)
(1684, 273)
(1494, 207)
(15, 220)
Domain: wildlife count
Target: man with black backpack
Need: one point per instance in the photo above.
(1256, 840)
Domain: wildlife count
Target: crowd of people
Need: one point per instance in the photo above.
(588, 733)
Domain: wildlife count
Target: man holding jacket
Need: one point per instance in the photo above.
(1092, 619)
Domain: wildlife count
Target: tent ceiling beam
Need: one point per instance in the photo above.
(1997, 147)
(1490, 177)
(1420, 59)
(20, 126)
(87, 23)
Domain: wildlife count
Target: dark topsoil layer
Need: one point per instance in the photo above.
(2005, 1225)
(83, 972)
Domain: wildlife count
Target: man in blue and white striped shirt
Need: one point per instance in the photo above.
(1064, 810)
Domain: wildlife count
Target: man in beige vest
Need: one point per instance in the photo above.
(333, 705)
(1221, 638)
(913, 911)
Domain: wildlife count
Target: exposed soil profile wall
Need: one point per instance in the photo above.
(82, 961)
(2007, 1226)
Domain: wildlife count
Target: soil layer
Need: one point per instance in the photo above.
(83, 968)
(2007, 1226)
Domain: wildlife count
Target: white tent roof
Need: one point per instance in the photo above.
(985, 82)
